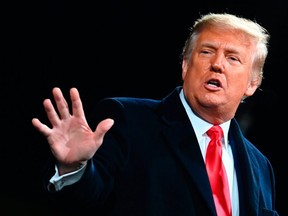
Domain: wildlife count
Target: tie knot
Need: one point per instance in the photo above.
(215, 132)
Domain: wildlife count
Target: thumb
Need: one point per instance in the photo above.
(102, 128)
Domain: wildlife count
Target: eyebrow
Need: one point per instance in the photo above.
(229, 48)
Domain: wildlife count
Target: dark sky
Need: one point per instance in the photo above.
(117, 48)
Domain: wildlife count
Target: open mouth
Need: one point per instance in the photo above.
(214, 83)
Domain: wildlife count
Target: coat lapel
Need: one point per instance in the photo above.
(247, 176)
(181, 137)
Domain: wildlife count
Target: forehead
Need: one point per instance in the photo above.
(226, 37)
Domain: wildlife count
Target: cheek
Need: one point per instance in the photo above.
(238, 84)
(189, 76)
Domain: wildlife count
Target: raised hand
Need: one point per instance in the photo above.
(71, 140)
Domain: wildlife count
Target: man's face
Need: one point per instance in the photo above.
(218, 74)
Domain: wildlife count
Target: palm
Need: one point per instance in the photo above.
(71, 140)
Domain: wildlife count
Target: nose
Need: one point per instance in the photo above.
(217, 64)
(216, 68)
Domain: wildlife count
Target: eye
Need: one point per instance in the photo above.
(233, 59)
(206, 52)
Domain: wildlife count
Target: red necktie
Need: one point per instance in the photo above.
(217, 173)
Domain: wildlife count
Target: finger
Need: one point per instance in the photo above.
(77, 107)
(51, 112)
(42, 128)
(61, 103)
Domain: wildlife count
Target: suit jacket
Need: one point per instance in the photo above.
(150, 164)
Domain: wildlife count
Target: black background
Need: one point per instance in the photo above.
(117, 48)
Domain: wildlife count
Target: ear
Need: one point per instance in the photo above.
(251, 88)
(184, 68)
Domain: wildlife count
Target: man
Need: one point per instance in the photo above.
(148, 157)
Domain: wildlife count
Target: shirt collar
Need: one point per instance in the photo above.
(202, 126)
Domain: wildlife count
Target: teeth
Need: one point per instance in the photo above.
(213, 83)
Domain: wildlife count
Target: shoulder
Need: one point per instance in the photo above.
(127, 104)
(138, 102)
